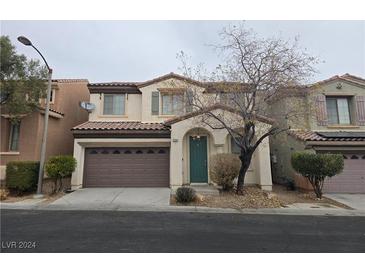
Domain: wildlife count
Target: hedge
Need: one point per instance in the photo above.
(22, 175)
(317, 167)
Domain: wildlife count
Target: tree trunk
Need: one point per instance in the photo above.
(317, 187)
(245, 164)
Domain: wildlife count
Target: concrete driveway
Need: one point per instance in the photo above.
(356, 201)
(114, 198)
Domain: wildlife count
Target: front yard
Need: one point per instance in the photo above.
(254, 197)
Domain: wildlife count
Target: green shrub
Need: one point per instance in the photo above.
(22, 175)
(316, 167)
(59, 167)
(185, 194)
(223, 169)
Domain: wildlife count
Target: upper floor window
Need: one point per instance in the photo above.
(172, 104)
(14, 137)
(114, 104)
(338, 110)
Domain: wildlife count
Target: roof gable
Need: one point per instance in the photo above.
(168, 76)
(347, 78)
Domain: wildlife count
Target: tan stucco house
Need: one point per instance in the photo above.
(332, 121)
(22, 142)
(135, 137)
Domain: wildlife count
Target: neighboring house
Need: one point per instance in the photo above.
(22, 142)
(141, 135)
(334, 122)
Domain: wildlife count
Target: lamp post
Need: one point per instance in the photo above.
(25, 41)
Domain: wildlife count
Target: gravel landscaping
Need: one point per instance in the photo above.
(14, 197)
(254, 197)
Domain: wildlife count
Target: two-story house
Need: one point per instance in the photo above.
(22, 141)
(333, 121)
(137, 136)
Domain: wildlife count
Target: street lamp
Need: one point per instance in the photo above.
(25, 41)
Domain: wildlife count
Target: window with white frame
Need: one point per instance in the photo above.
(14, 136)
(172, 104)
(114, 104)
(338, 110)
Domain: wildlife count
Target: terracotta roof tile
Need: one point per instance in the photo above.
(307, 135)
(101, 125)
(52, 110)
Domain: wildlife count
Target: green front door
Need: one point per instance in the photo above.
(198, 160)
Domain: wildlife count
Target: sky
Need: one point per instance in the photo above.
(103, 51)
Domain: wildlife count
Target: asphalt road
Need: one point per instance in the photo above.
(101, 231)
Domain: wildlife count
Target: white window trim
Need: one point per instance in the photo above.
(114, 115)
(161, 105)
(10, 139)
(336, 98)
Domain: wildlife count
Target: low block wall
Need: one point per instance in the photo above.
(302, 182)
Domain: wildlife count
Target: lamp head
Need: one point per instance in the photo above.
(24, 40)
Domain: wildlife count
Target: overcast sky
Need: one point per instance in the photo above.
(104, 51)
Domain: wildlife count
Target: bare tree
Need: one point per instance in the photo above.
(238, 94)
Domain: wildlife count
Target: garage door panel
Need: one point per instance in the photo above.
(352, 178)
(123, 167)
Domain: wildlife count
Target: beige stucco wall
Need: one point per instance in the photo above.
(218, 142)
(282, 145)
(29, 144)
(138, 108)
(147, 97)
(330, 88)
(59, 139)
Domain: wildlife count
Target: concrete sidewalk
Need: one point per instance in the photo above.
(355, 201)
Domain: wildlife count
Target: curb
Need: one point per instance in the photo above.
(194, 209)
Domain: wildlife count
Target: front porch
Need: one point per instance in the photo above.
(191, 149)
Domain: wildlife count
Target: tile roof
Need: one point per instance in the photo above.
(212, 86)
(145, 83)
(69, 80)
(101, 125)
(52, 110)
(114, 84)
(345, 77)
(307, 135)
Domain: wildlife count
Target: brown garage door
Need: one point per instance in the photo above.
(126, 167)
(352, 179)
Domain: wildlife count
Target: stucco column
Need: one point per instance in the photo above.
(76, 179)
(263, 167)
(176, 157)
(219, 148)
